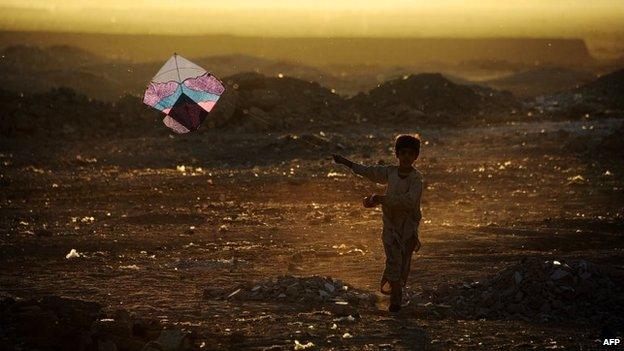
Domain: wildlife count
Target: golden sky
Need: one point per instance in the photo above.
(457, 18)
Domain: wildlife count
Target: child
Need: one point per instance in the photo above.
(401, 212)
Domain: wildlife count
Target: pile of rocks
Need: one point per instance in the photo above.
(56, 323)
(540, 290)
(311, 289)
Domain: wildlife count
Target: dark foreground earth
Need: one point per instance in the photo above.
(167, 230)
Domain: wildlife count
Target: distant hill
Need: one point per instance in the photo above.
(319, 51)
(28, 58)
(29, 69)
(34, 69)
(539, 81)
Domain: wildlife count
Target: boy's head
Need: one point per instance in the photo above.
(407, 149)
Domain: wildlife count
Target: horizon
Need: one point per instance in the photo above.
(440, 37)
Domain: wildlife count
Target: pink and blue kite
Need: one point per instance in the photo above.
(185, 92)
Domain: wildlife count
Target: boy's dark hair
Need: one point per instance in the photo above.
(407, 141)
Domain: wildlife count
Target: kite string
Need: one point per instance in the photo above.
(175, 58)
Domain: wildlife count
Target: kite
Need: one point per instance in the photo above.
(185, 92)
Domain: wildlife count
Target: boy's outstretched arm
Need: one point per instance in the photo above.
(377, 174)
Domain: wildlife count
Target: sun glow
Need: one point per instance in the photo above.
(319, 18)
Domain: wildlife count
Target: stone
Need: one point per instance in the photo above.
(518, 277)
(558, 274)
(106, 345)
(146, 329)
(112, 327)
(174, 340)
(152, 346)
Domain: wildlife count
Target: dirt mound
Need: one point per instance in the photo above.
(608, 89)
(33, 58)
(534, 289)
(63, 112)
(312, 289)
(613, 144)
(540, 81)
(56, 323)
(429, 97)
(255, 102)
(604, 97)
(607, 148)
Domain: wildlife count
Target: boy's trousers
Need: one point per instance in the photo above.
(399, 259)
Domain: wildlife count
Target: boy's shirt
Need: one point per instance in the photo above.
(401, 208)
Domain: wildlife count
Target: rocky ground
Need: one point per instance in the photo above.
(257, 241)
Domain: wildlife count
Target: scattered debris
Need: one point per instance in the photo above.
(73, 254)
(577, 180)
(232, 263)
(300, 346)
(348, 318)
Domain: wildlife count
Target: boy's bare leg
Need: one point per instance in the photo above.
(393, 271)
(396, 296)
(406, 264)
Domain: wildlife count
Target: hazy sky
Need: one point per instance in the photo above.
(536, 18)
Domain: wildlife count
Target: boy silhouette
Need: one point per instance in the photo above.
(401, 212)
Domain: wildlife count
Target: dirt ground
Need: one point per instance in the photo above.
(169, 242)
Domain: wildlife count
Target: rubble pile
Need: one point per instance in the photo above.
(56, 323)
(254, 102)
(543, 291)
(430, 98)
(311, 289)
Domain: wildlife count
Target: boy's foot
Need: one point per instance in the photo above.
(394, 308)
